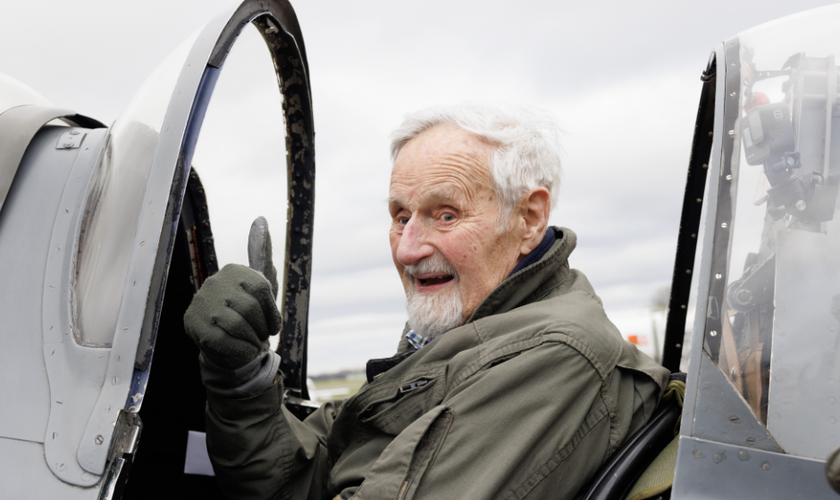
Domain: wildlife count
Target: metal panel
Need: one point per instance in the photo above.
(723, 415)
(709, 470)
(19, 124)
(17, 127)
(24, 462)
(76, 373)
(24, 243)
(803, 409)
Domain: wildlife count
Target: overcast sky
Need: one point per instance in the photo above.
(622, 79)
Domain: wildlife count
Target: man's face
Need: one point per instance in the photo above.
(444, 239)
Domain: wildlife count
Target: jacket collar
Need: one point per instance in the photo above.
(534, 281)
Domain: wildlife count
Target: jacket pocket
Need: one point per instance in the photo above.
(398, 471)
(407, 403)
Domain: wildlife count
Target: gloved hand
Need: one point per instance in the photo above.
(259, 252)
(231, 317)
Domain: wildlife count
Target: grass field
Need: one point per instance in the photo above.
(337, 388)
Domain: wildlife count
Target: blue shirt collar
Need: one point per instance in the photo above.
(537, 254)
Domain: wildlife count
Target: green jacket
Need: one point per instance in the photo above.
(526, 400)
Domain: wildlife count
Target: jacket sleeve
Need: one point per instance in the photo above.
(260, 450)
(533, 426)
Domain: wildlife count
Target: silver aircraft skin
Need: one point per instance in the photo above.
(105, 235)
(89, 230)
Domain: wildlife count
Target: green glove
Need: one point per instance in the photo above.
(231, 317)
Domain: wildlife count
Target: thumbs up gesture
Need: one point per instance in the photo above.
(233, 314)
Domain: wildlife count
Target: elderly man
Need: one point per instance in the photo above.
(509, 381)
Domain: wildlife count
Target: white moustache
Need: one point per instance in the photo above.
(437, 263)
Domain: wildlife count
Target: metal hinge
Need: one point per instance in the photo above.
(127, 432)
(70, 140)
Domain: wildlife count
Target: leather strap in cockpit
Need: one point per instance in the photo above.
(728, 361)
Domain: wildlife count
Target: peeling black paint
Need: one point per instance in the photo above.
(289, 56)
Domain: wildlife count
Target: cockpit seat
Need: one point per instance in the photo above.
(644, 467)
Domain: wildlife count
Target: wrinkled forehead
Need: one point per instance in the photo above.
(444, 154)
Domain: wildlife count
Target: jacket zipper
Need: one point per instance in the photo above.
(413, 385)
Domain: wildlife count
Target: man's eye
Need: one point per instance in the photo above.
(403, 220)
(448, 218)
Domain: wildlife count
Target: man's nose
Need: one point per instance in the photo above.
(413, 246)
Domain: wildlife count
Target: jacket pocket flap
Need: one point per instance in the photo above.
(401, 466)
(409, 402)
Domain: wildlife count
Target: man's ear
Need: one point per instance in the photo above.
(533, 210)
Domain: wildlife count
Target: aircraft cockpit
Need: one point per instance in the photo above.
(105, 236)
(762, 396)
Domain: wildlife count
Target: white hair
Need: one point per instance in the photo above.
(527, 151)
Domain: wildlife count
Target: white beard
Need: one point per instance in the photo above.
(432, 314)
